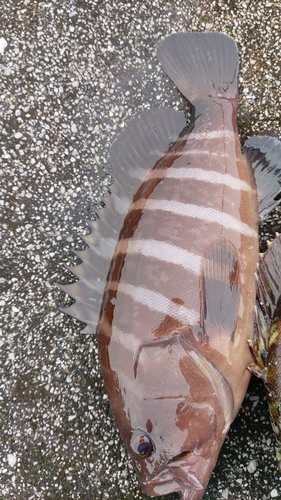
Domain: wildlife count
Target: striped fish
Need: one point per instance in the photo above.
(167, 280)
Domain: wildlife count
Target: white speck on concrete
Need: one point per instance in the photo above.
(252, 466)
(12, 459)
(225, 494)
(3, 45)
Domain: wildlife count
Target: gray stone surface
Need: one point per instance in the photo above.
(72, 72)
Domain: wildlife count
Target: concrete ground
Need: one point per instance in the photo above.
(72, 72)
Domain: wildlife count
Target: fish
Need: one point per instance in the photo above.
(167, 281)
(266, 343)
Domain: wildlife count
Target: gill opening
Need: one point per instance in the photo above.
(179, 457)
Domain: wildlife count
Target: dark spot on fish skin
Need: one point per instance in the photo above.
(149, 426)
(177, 301)
(168, 326)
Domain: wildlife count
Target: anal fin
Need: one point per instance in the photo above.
(220, 289)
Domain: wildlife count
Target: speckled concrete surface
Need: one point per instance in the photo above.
(71, 73)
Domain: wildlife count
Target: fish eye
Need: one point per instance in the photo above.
(141, 444)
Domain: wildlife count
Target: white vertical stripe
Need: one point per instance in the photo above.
(214, 134)
(202, 213)
(211, 176)
(163, 251)
(158, 302)
(195, 152)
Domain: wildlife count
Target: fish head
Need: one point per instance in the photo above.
(180, 451)
(178, 410)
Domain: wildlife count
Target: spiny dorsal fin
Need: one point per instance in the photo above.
(143, 142)
(263, 154)
(220, 289)
(201, 64)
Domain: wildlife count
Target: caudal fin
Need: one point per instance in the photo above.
(201, 64)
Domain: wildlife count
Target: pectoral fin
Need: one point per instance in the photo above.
(220, 289)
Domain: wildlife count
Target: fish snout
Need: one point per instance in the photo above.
(185, 474)
(180, 474)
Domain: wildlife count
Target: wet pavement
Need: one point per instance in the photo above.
(72, 72)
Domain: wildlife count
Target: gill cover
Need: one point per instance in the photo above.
(171, 368)
(179, 416)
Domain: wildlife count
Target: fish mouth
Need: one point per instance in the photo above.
(176, 477)
(187, 473)
(156, 488)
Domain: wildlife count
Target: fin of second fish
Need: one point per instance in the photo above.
(220, 289)
(135, 152)
(265, 346)
(263, 153)
(269, 278)
(268, 284)
(201, 64)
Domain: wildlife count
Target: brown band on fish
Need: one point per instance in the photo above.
(132, 219)
(148, 186)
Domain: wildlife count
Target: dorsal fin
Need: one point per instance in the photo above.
(135, 152)
(139, 147)
(263, 154)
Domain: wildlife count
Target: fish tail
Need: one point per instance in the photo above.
(201, 64)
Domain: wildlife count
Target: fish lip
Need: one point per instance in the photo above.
(172, 482)
(161, 487)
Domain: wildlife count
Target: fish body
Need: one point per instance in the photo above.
(168, 275)
(266, 345)
(176, 313)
